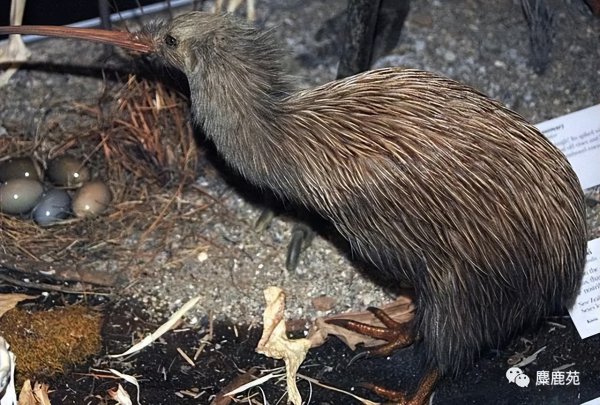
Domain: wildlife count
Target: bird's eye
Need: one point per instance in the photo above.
(170, 41)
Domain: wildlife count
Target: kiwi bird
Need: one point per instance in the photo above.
(429, 180)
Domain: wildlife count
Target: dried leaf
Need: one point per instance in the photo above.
(401, 310)
(254, 383)
(120, 395)
(161, 330)
(530, 359)
(274, 342)
(26, 396)
(9, 301)
(130, 379)
(40, 393)
(224, 396)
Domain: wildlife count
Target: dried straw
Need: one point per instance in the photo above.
(141, 143)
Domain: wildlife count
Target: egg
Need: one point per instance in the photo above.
(18, 196)
(91, 199)
(20, 168)
(67, 171)
(54, 205)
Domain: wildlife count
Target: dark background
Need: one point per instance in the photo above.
(61, 12)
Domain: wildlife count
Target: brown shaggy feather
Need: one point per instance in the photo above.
(429, 180)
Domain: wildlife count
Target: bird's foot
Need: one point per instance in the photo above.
(302, 236)
(264, 220)
(419, 397)
(396, 335)
(396, 332)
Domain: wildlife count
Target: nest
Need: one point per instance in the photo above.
(140, 142)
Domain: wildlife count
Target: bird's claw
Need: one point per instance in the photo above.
(396, 335)
(419, 397)
(302, 236)
(264, 220)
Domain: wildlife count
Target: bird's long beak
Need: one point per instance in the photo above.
(132, 41)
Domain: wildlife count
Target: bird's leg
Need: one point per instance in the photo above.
(14, 50)
(106, 23)
(419, 397)
(218, 6)
(397, 331)
(390, 21)
(233, 5)
(396, 335)
(250, 10)
(361, 21)
(264, 220)
(372, 31)
(539, 16)
(302, 236)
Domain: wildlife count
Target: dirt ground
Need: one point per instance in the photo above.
(484, 44)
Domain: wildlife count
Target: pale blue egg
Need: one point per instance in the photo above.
(54, 205)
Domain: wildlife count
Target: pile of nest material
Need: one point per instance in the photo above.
(140, 142)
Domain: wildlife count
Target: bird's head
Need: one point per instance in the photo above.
(191, 40)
